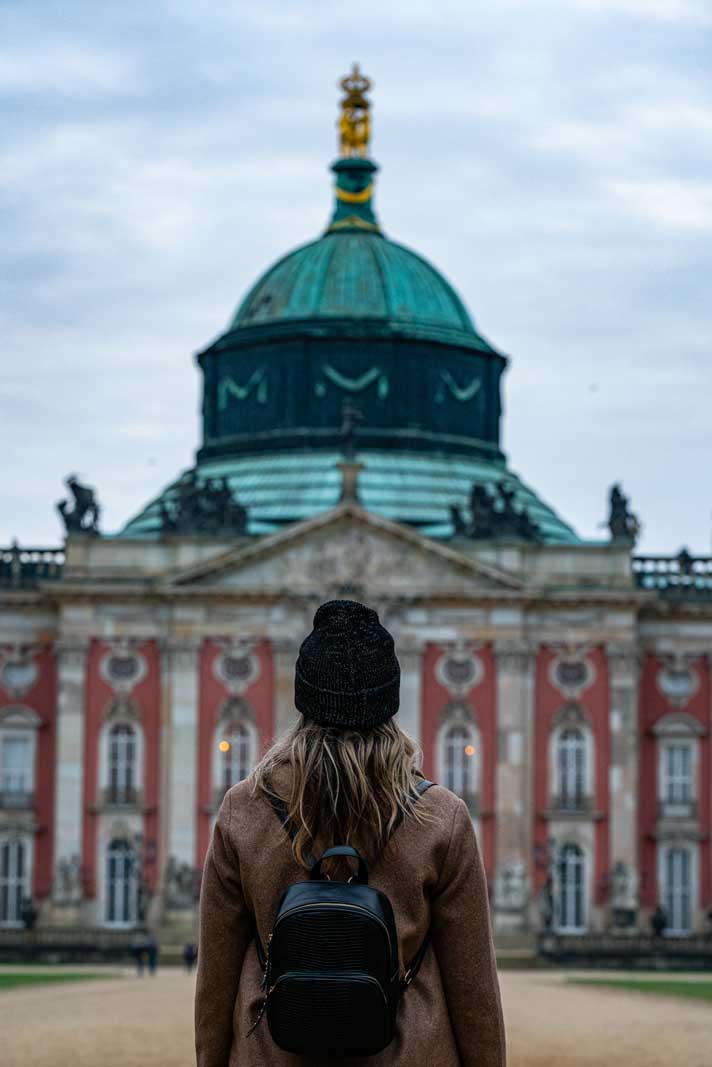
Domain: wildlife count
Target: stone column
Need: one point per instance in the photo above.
(515, 662)
(284, 654)
(410, 657)
(624, 673)
(69, 780)
(179, 772)
(157, 908)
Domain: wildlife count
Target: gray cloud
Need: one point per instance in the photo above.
(553, 159)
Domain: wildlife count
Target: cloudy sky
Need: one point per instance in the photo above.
(554, 159)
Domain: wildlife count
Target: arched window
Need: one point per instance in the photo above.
(236, 752)
(121, 884)
(235, 747)
(14, 880)
(15, 763)
(571, 767)
(18, 745)
(677, 786)
(571, 889)
(122, 764)
(458, 760)
(678, 889)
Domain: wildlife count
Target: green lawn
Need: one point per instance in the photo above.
(696, 989)
(14, 979)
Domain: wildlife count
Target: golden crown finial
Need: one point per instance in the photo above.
(354, 124)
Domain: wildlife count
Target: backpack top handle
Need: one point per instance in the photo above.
(341, 850)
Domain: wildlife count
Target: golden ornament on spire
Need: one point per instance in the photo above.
(354, 124)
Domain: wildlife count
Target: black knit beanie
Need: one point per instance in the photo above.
(347, 672)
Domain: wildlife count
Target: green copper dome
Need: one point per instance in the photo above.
(354, 274)
(360, 276)
(354, 344)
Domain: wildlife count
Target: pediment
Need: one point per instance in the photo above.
(346, 550)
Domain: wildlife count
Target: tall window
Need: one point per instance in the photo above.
(14, 880)
(571, 887)
(122, 763)
(236, 753)
(121, 884)
(15, 764)
(458, 761)
(571, 765)
(677, 897)
(677, 783)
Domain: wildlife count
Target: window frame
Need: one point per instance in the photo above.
(132, 795)
(583, 866)
(666, 851)
(666, 745)
(26, 842)
(231, 719)
(131, 893)
(572, 718)
(20, 722)
(471, 764)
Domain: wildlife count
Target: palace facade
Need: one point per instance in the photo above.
(351, 447)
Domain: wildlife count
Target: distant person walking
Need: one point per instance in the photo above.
(658, 921)
(140, 952)
(152, 954)
(190, 954)
(345, 775)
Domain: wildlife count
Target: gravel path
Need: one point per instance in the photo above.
(131, 1022)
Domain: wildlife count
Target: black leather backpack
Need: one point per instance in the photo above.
(332, 980)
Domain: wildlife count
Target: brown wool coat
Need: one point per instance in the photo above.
(449, 1017)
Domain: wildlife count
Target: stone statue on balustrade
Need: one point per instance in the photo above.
(203, 507)
(622, 523)
(494, 515)
(83, 516)
(182, 882)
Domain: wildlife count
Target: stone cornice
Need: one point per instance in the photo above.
(538, 597)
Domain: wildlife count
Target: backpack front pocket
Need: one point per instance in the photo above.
(336, 1015)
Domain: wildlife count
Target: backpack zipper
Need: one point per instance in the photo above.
(351, 976)
(329, 904)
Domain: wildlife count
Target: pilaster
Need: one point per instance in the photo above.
(69, 778)
(410, 658)
(515, 665)
(285, 657)
(180, 674)
(624, 674)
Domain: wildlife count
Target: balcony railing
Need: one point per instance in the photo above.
(16, 799)
(677, 809)
(626, 950)
(684, 576)
(571, 805)
(23, 568)
(120, 796)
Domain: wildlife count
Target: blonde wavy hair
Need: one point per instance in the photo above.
(346, 787)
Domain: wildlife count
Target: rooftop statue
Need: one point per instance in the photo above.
(494, 515)
(354, 123)
(623, 524)
(206, 507)
(84, 516)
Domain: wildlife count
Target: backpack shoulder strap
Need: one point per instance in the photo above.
(280, 810)
(423, 786)
(414, 966)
